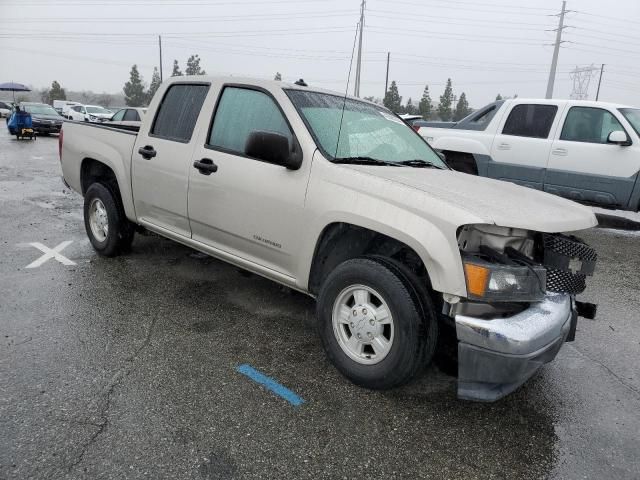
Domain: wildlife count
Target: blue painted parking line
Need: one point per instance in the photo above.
(270, 384)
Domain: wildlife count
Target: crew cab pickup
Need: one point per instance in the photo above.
(586, 151)
(338, 198)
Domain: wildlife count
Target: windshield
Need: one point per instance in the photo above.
(97, 110)
(40, 109)
(633, 117)
(367, 130)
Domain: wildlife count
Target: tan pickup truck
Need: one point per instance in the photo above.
(338, 198)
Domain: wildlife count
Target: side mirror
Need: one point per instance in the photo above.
(618, 137)
(442, 155)
(273, 147)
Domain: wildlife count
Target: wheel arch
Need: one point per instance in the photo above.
(93, 170)
(340, 241)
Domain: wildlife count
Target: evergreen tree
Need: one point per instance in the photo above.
(56, 92)
(462, 108)
(498, 97)
(134, 94)
(193, 66)
(278, 76)
(446, 99)
(425, 107)
(392, 99)
(176, 69)
(409, 108)
(155, 84)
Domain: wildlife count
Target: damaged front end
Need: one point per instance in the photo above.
(520, 306)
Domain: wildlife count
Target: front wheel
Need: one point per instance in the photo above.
(372, 325)
(108, 229)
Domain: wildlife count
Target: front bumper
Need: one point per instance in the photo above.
(47, 127)
(496, 356)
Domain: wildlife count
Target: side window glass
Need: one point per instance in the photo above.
(178, 112)
(118, 116)
(241, 111)
(530, 121)
(131, 115)
(588, 124)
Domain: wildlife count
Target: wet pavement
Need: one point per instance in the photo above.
(126, 368)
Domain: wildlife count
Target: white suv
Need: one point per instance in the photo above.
(89, 113)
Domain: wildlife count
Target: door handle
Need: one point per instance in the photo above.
(504, 146)
(147, 152)
(205, 166)
(559, 151)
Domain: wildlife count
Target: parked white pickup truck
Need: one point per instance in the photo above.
(338, 198)
(586, 151)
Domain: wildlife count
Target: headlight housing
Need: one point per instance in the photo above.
(488, 281)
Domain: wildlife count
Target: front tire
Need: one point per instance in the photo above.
(108, 229)
(372, 326)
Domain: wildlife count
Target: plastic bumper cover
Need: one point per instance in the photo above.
(496, 356)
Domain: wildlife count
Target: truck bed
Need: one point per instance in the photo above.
(111, 145)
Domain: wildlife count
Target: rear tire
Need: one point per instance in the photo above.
(362, 297)
(107, 226)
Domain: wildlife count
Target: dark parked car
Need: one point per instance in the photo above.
(45, 118)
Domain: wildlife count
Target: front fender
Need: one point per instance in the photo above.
(427, 225)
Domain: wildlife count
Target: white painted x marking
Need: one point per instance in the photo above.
(50, 253)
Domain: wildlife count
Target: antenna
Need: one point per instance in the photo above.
(346, 90)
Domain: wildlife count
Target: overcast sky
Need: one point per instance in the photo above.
(486, 47)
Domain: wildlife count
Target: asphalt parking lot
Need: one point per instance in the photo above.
(128, 368)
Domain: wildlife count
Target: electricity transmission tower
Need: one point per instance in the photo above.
(581, 77)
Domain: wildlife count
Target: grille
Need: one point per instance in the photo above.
(568, 261)
(570, 247)
(565, 282)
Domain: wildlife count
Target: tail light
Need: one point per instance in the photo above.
(60, 140)
(416, 127)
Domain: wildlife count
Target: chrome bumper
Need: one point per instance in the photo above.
(498, 355)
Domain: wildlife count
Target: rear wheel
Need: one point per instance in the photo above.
(371, 324)
(108, 229)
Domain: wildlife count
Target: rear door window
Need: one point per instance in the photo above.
(241, 111)
(530, 120)
(131, 116)
(178, 112)
(589, 124)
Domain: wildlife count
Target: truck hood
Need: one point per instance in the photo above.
(495, 201)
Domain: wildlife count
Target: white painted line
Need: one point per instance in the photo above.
(51, 253)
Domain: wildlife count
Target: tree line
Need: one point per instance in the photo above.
(445, 110)
(137, 95)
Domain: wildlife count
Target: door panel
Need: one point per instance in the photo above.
(247, 207)
(584, 167)
(520, 149)
(160, 182)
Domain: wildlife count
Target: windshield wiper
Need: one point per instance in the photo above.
(417, 163)
(364, 161)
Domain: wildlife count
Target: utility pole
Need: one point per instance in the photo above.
(356, 90)
(556, 49)
(599, 81)
(386, 82)
(160, 45)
